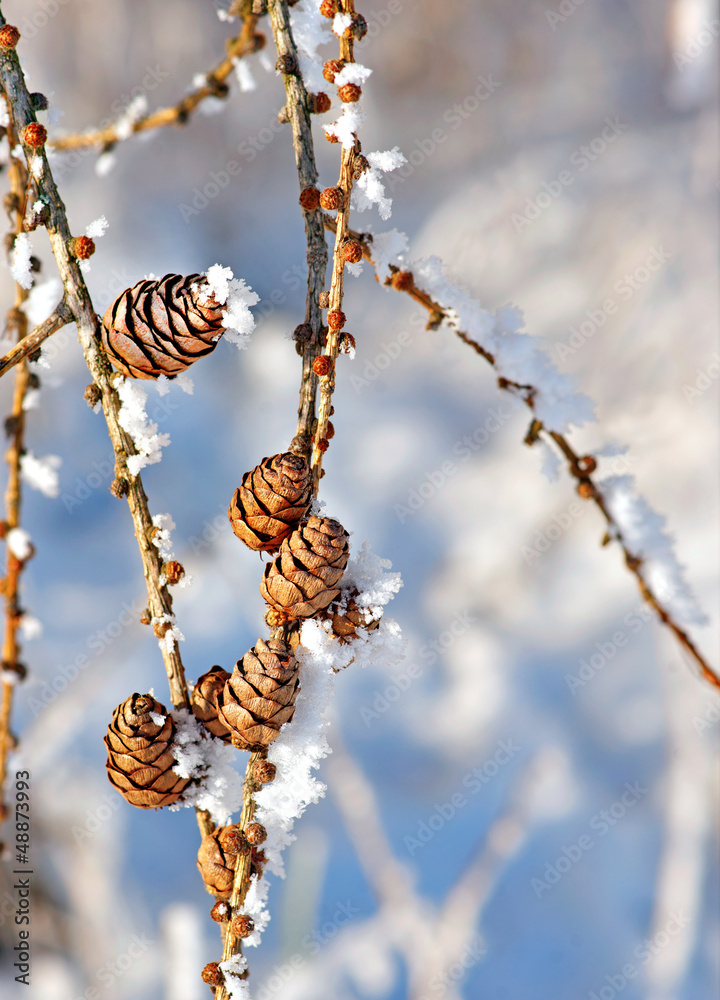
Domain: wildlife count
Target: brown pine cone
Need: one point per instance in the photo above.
(217, 858)
(347, 620)
(273, 498)
(260, 695)
(161, 327)
(304, 576)
(140, 753)
(204, 701)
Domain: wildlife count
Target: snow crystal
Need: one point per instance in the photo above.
(216, 786)
(19, 543)
(186, 383)
(136, 109)
(42, 300)
(255, 905)
(352, 73)
(518, 356)
(36, 167)
(4, 113)
(142, 430)
(41, 473)
(172, 635)
(644, 534)
(347, 126)
(104, 164)
(368, 573)
(310, 30)
(161, 539)
(341, 23)
(244, 75)
(237, 297)
(97, 228)
(158, 719)
(20, 260)
(237, 989)
(551, 462)
(388, 248)
(31, 400)
(370, 189)
(30, 626)
(355, 269)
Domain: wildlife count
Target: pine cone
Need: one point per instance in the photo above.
(303, 577)
(204, 701)
(140, 753)
(271, 501)
(348, 619)
(161, 327)
(260, 695)
(217, 858)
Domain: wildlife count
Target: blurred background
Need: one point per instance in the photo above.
(450, 856)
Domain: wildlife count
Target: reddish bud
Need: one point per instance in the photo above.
(174, 572)
(352, 251)
(212, 975)
(322, 365)
(331, 69)
(336, 319)
(242, 925)
(587, 464)
(323, 445)
(402, 281)
(330, 432)
(347, 343)
(9, 36)
(358, 28)
(81, 247)
(331, 199)
(319, 103)
(35, 135)
(309, 199)
(220, 913)
(349, 93)
(328, 8)
(586, 490)
(265, 772)
(255, 833)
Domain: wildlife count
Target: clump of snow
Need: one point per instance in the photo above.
(233, 967)
(186, 383)
(20, 261)
(388, 248)
(346, 128)
(644, 534)
(237, 297)
(136, 109)
(341, 23)
(352, 73)
(31, 400)
(142, 430)
(42, 300)
(4, 113)
(36, 166)
(244, 75)
(104, 164)
(171, 636)
(158, 719)
(310, 30)
(97, 228)
(19, 543)
(41, 473)
(255, 905)
(370, 189)
(30, 627)
(368, 574)
(216, 785)
(162, 539)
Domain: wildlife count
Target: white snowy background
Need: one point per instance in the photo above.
(472, 770)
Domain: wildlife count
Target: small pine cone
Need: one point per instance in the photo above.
(402, 280)
(255, 834)
(161, 327)
(348, 618)
(9, 36)
(322, 365)
(286, 64)
(328, 8)
(331, 199)
(331, 69)
(34, 135)
(212, 974)
(349, 93)
(81, 247)
(319, 103)
(260, 695)
(220, 912)
(141, 754)
(304, 576)
(352, 251)
(242, 925)
(264, 772)
(204, 702)
(272, 500)
(174, 572)
(336, 319)
(309, 199)
(217, 858)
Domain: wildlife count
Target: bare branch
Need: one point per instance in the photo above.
(59, 318)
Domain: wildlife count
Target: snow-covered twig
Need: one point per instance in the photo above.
(555, 408)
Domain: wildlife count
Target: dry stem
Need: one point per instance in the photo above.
(59, 317)
(77, 300)
(575, 467)
(13, 495)
(247, 42)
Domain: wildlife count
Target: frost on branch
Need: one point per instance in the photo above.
(20, 261)
(136, 109)
(142, 430)
(310, 31)
(237, 297)
(208, 762)
(41, 473)
(19, 543)
(644, 534)
(370, 189)
(233, 967)
(161, 539)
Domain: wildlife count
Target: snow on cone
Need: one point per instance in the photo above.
(141, 753)
(260, 695)
(304, 577)
(271, 501)
(161, 327)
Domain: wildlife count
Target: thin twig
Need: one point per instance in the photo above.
(247, 42)
(78, 301)
(13, 671)
(577, 468)
(59, 317)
